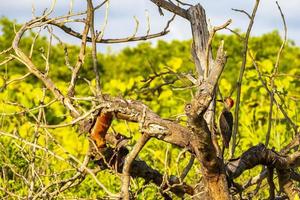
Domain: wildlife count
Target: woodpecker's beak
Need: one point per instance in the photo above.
(219, 100)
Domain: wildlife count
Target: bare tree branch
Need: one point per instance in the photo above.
(81, 56)
(128, 162)
(240, 79)
(111, 41)
(260, 155)
(23, 58)
(94, 47)
(171, 7)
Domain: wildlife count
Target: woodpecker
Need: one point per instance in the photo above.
(226, 122)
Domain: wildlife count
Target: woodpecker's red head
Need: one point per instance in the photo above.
(229, 102)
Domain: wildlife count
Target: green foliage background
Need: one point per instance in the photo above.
(125, 73)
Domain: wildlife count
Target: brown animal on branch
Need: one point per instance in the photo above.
(100, 128)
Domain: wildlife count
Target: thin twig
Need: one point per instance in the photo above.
(274, 75)
(182, 3)
(32, 175)
(94, 48)
(82, 117)
(81, 56)
(127, 165)
(239, 82)
(23, 58)
(210, 39)
(242, 11)
(294, 125)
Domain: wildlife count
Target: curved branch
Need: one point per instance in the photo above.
(127, 165)
(139, 168)
(23, 58)
(260, 155)
(70, 31)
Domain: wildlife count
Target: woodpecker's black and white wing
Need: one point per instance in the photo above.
(225, 126)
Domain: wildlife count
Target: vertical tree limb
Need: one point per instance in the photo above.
(197, 18)
(81, 56)
(212, 167)
(274, 74)
(271, 183)
(94, 47)
(240, 79)
(127, 165)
